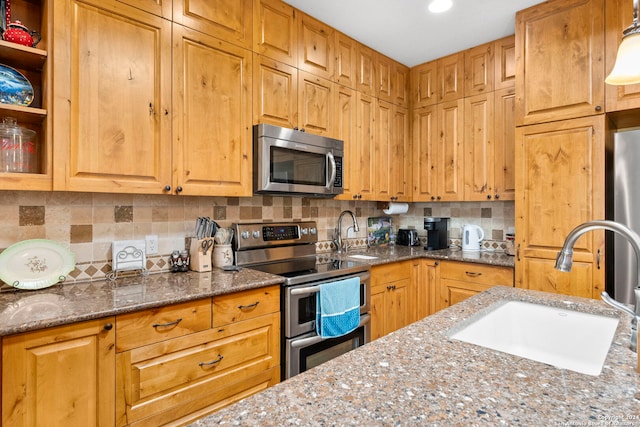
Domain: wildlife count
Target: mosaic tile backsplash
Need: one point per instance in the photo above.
(87, 223)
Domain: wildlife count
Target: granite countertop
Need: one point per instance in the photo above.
(22, 311)
(386, 254)
(418, 376)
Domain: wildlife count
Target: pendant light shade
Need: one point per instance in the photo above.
(627, 67)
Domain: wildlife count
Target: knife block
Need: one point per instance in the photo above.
(200, 261)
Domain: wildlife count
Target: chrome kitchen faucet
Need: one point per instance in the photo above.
(565, 261)
(337, 235)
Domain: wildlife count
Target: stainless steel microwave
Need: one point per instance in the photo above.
(293, 162)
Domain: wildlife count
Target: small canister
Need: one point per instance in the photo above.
(18, 148)
(509, 248)
(222, 256)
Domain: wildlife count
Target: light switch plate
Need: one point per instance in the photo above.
(128, 255)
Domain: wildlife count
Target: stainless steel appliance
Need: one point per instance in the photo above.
(625, 174)
(437, 233)
(288, 161)
(408, 237)
(289, 250)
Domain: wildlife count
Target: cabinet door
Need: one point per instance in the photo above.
(426, 284)
(275, 31)
(400, 172)
(384, 76)
(112, 97)
(275, 92)
(479, 69)
(425, 158)
(619, 15)
(157, 7)
(212, 124)
(424, 84)
(315, 47)
(451, 77)
(346, 130)
(451, 151)
(346, 60)
(505, 144)
(479, 147)
(453, 291)
(505, 63)
(560, 61)
(315, 104)
(559, 185)
(382, 150)
(365, 119)
(229, 20)
(400, 85)
(60, 376)
(366, 70)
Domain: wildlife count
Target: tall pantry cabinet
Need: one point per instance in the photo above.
(560, 143)
(141, 112)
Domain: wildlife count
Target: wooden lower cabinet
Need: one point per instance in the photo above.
(425, 286)
(461, 280)
(390, 297)
(178, 380)
(61, 376)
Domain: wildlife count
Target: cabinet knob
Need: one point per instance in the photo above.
(355, 196)
(488, 196)
(167, 188)
(178, 189)
(436, 263)
(433, 198)
(598, 108)
(359, 196)
(108, 327)
(497, 196)
(438, 197)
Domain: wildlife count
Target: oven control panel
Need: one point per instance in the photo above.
(256, 235)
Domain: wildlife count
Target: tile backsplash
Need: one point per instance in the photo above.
(87, 223)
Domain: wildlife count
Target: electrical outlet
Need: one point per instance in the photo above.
(151, 243)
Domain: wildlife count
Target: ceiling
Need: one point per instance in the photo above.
(407, 32)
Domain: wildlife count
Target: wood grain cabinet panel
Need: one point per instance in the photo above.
(229, 20)
(316, 47)
(212, 147)
(400, 85)
(157, 7)
(345, 71)
(390, 297)
(60, 376)
(384, 67)
(559, 185)
(424, 84)
(504, 157)
(479, 143)
(275, 92)
(426, 283)
(366, 70)
(560, 61)
(112, 97)
(505, 63)
(451, 77)
(346, 130)
(479, 70)
(316, 101)
(424, 149)
(275, 31)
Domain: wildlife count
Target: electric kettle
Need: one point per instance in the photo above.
(472, 235)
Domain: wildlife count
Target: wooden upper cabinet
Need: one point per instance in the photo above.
(275, 92)
(504, 54)
(424, 153)
(316, 42)
(212, 144)
(382, 150)
(362, 170)
(229, 20)
(451, 150)
(315, 104)
(560, 61)
(400, 171)
(619, 15)
(479, 147)
(115, 135)
(275, 31)
(345, 71)
(346, 130)
(400, 85)
(366, 70)
(504, 146)
(157, 7)
(424, 84)
(384, 77)
(451, 77)
(479, 69)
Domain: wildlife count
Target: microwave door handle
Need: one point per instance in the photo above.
(332, 161)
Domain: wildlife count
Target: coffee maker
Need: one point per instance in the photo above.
(437, 233)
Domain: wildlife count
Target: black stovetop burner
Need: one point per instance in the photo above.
(310, 269)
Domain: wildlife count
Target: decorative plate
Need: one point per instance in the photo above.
(14, 87)
(35, 264)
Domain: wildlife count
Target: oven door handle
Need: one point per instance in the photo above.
(305, 342)
(315, 289)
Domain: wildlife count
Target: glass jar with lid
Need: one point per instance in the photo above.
(18, 148)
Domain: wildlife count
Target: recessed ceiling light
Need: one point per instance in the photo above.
(439, 6)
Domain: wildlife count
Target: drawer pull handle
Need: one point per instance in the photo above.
(166, 325)
(473, 274)
(213, 362)
(247, 307)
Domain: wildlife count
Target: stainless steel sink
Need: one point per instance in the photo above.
(360, 256)
(563, 338)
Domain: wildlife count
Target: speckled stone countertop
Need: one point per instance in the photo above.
(386, 254)
(418, 376)
(22, 311)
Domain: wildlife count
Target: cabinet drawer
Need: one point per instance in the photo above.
(392, 272)
(477, 273)
(158, 324)
(245, 305)
(168, 376)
